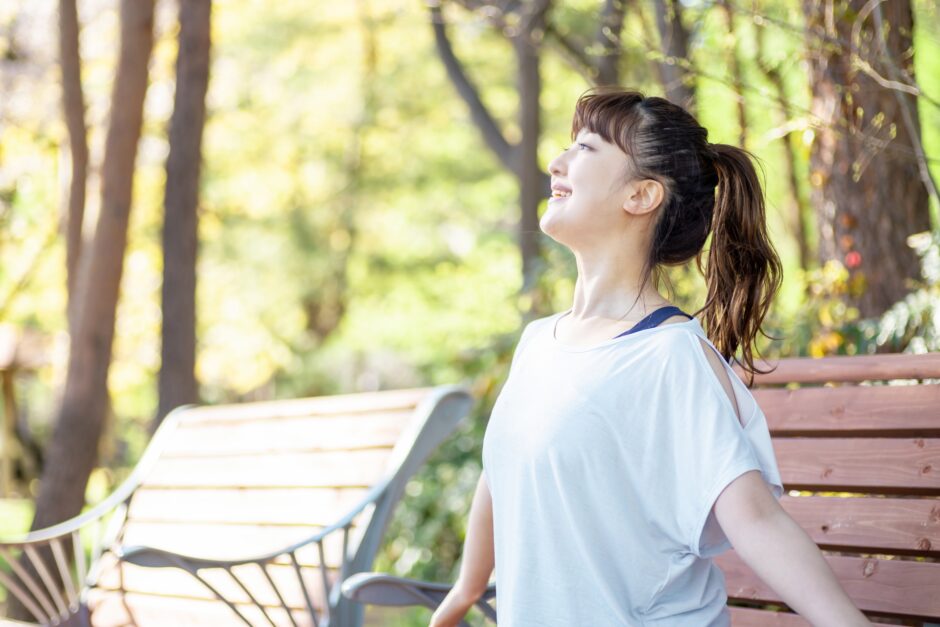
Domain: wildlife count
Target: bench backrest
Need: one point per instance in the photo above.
(244, 480)
(857, 440)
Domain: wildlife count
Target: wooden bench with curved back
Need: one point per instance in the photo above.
(857, 440)
(240, 514)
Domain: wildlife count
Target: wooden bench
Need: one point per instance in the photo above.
(857, 440)
(239, 514)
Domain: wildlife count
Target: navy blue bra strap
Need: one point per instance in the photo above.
(655, 318)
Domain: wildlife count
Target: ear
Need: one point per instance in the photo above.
(643, 197)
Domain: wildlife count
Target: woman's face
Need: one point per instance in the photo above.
(591, 195)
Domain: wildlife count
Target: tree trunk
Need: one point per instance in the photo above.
(520, 158)
(608, 39)
(735, 67)
(73, 448)
(674, 41)
(866, 186)
(529, 174)
(73, 108)
(798, 219)
(177, 380)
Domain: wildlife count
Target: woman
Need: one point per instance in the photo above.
(623, 452)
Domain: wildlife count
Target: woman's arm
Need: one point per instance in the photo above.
(782, 554)
(476, 563)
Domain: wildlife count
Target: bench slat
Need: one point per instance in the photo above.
(893, 409)
(303, 506)
(113, 609)
(318, 469)
(750, 617)
(285, 435)
(340, 404)
(900, 587)
(848, 369)
(898, 465)
(882, 525)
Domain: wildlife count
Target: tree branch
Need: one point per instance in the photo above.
(572, 53)
(840, 125)
(910, 117)
(73, 109)
(492, 135)
(838, 44)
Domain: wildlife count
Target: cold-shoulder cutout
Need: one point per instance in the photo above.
(716, 361)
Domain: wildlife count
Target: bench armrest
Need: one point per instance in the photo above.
(388, 590)
(49, 572)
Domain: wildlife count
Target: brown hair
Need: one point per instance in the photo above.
(667, 144)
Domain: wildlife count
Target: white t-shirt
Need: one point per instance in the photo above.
(603, 463)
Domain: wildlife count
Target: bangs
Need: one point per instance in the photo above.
(610, 114)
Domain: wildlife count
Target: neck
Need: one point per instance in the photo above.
(608, 286)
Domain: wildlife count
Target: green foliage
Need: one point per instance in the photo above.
(15, 515)
(913, 324)
(826, 325)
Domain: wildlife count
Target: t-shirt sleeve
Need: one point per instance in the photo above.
(713, 448)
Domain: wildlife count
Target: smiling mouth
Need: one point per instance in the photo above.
(560, 194)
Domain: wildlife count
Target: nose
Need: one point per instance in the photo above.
(558, 165)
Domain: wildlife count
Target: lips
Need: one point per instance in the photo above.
(560, 191)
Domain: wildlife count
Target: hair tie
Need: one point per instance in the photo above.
(713, 151)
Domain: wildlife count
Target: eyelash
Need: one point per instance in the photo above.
(582, 145)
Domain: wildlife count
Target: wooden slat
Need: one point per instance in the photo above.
(901, 587)
(289, 470)
(340, 404)
(880, 525)
(303, 506)
(880, 464)
(175, 582)
(230, 542)
(847, 369)
(891, 408)
(750, 617)
(285, 435)
(111, 609)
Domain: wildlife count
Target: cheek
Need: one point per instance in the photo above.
(588, 180)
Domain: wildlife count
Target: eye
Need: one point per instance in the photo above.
(585, 146)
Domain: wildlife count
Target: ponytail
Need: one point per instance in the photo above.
(743, 271)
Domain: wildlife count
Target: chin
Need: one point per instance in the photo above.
(554, 227)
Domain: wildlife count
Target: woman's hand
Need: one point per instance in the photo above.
(453, 608)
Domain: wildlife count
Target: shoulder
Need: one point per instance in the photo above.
(537, 325)
(689, 350)
(532, 329)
